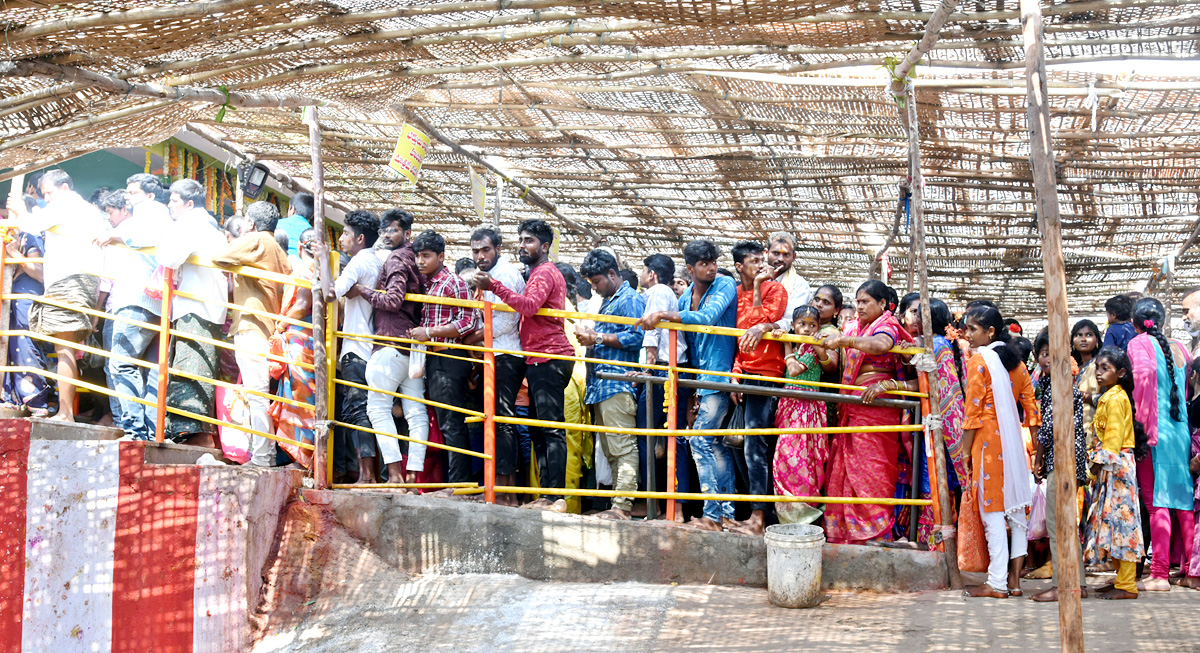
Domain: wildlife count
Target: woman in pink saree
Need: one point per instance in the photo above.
(865, 464)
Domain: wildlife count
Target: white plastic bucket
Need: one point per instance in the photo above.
(794, 565)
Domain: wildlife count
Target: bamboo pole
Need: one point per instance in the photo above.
(1066, 558)
(84, 123)
(320, 297)
(214, 96)
(949, 537)
(528, 194)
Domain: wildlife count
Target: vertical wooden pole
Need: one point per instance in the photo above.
(164, 353)
(672, 390)
(1066, 558)
(322, 295)
(917, 213)
(489, 408)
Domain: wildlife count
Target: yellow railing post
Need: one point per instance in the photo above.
(164, 350)
(489, 408)
(672, 419)
(331, 354)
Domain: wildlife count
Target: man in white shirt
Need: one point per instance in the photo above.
(129, 272)
(71, 262)
(510, 369)
(197, 310)
(781, 255)
(356, 241)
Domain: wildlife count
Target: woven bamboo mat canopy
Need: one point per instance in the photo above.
(651, 123)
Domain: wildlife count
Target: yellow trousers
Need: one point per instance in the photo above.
(1126, 576)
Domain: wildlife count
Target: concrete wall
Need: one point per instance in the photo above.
(102, 550)
(433, 535)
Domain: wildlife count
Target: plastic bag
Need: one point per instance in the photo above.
(1037, 514)
(416, 362)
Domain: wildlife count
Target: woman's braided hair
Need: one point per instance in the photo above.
(1149, 315)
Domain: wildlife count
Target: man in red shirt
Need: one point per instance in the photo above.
(759, 301)
(548, 378)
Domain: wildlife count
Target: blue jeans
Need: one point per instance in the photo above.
(135, 342)
(759, 414)
(683, 475)
(714, 463)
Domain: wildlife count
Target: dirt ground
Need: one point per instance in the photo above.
(341, 598)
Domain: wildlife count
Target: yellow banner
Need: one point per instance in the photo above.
(478, 192)
(410, 153)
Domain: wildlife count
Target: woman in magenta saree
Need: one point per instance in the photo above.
(863, 464)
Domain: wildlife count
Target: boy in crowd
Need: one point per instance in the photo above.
(1120, 330)
(361, 271)
(711, 300)
(443, 326)
(612, 401)
(760, 301)
(548, 378)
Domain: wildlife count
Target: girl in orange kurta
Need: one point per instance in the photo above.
(997, 383)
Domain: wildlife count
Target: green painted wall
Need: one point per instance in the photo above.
(92, 171)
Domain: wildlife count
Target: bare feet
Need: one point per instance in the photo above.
(64, 417)
(1014, 575)
(1154, 585)
(1105, 588)
(445, 493)
(1191, 581)
(752, 526)
(614, 514)
(1051, 595)
(984, 591)
(1116, 595)
(705, 524)
(1101, 568)
(546, 503)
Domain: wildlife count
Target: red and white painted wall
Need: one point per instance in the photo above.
(102, 552)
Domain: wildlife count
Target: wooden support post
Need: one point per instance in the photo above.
(1066, 557)
(322, 293)
(950, 538)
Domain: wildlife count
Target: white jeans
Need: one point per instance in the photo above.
(999, 549)
(388, 371)
(250, 355)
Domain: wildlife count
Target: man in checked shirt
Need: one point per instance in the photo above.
(446, 378)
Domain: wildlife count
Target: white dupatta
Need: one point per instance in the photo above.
(1017, 487)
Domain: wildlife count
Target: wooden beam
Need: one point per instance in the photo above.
(177, 93)
(322, 296)
(917, 189)
(1066, 558)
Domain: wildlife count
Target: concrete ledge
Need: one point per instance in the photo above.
(49, 429)
(170, 453)
(434, 535)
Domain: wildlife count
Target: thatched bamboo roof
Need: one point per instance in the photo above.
(651, 123)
